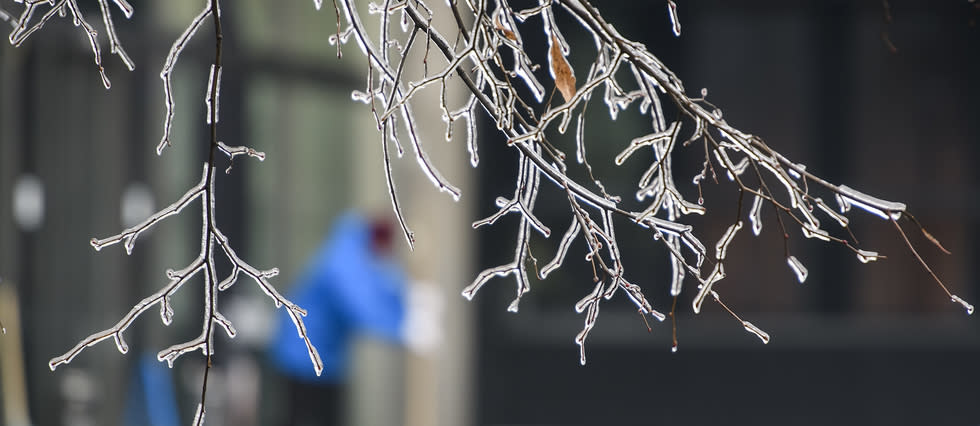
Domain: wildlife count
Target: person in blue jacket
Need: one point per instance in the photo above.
(352, 285)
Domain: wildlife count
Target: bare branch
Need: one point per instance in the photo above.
(527, 123)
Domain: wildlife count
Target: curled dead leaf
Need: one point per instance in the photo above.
(935, 241)
(562, 71)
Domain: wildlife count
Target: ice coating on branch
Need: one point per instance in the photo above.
(866, 256)
(967, 306)
(738, 168)
(755, 215)
(797, 268)
(590, 305)
(566, 242)
(810, 232)
(782, 177)
(675, 23)
(845, 206)
(840, 218)
(212, 241)
(23, 27)
(762, 335)
(677, 268)
(721, 248)
(120, 343)
(114, 46)
(515, 305)
(658, 137)
(214, 82)
(551, 28)
(166, 311)
(168, 67)
(530, 129)
(523, 67)
(705, 288)
(199, 415)
(806, 209)
(887, 210)
(360, 96)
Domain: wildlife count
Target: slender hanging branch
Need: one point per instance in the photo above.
(530, 123)
(213, 241)
(24, 26)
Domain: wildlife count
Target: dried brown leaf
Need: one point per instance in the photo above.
(562, 71)
(507, 33)
(935, 241)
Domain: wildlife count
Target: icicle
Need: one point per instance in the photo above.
(166, 311)
(797, 268)
(867, 256)
(471, 146)
(884, 209)
(967, 306)
(675, 22)
(514, 306)
(120, 342)
(199, 415)
(359, 96)
(756, 331)
(404, 21)
(722, 247)
(755, 215)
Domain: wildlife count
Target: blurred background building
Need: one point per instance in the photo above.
(855, 344)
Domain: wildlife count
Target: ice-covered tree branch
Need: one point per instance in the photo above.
(213, 241)
(486, 49)
(623, 73)
(26, 25)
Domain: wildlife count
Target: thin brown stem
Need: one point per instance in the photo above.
(922, 262)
